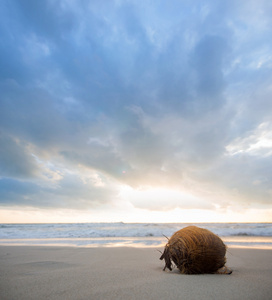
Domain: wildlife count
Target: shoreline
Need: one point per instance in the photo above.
(46, 272)
(256, 242)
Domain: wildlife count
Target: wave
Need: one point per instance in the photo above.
(114, 230)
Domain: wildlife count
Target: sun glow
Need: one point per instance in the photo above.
(162, 199)
(145, 205)
(132, 215)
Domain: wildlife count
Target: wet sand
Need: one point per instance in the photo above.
(35, 272)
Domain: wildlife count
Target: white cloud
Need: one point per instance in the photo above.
(257, 143)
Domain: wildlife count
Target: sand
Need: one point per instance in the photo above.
(34, 272)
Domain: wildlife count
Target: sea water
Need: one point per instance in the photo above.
(129, 234)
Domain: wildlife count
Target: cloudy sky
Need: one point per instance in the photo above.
(135, 111)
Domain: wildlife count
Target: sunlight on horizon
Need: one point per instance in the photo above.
(142, 205)
(33, 215)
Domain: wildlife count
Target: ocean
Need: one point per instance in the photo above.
(256, 235)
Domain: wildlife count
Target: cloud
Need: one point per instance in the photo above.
(68, 191)
(15, 159)
(139, 95)
(208, 59)
(257, 143)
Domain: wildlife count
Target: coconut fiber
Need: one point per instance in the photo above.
(195, 250)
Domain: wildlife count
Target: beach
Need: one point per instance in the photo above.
(53, 272)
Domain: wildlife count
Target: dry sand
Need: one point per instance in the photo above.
(32, 272)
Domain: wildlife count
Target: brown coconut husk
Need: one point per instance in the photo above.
(195, 250)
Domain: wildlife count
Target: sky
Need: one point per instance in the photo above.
(135, 111)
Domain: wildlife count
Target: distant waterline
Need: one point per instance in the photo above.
(126, 234)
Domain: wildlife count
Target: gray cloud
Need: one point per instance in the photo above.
(208, 59)
(15, 159)
(69, 192)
